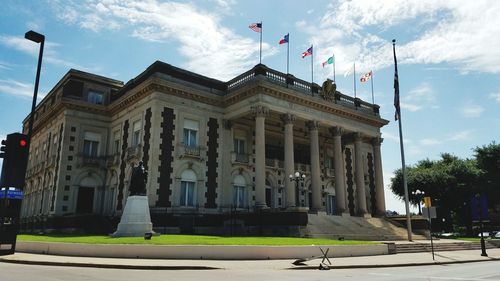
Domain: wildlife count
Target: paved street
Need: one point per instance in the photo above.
(481, 271)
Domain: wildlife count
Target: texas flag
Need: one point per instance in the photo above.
(284, 39)
(309, 52)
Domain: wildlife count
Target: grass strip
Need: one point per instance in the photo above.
(174, 239)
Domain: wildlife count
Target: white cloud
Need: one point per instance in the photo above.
(5, 65)
(463, 135)
(458, 32)
(410, 107)
(16, 88)
(430, 142)
(391, 137)
(472, 111)
(422, 96)
(31, 48)
(495, 96)
(210, 47)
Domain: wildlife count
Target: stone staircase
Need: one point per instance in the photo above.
(440, 246)
(355, 228)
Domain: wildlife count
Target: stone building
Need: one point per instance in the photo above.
(215, 151)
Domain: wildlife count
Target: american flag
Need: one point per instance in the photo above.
(308, 52)
(397, 114)
(257, 27)
(366, 77)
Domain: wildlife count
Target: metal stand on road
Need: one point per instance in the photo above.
(322, 265)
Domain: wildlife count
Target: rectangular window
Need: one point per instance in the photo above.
(116, 142)
(90, 148)
(329, 162)
(239, 146)
(189, 137)
(95, 97)
(187, 193)
(136, 135)
(190, 132)
(239, 196)
(116, 147)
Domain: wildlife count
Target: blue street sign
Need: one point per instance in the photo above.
(12, 194)
(479, 208)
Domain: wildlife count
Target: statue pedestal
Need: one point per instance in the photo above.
(135, 220)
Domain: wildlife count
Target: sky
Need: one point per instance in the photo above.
(448, 56)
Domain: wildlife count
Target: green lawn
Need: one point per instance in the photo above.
(172, 239)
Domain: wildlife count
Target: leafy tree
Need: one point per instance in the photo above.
(449, 181)
(488, 160)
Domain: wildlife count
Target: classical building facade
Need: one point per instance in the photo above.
(212, 148)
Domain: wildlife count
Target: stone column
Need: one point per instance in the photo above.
(260, 113)
(315, 167)
(340, 188)
(359, 175)
(288, 120)
(379, 177)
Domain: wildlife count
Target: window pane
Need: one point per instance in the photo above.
(192, 138)
(95, 97)
(190, 199)
(136, 138)
(185, 138)
(94, 146)
(183, 193)
(239, 196)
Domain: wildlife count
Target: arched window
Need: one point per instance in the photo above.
(239, 191)
(188, 181)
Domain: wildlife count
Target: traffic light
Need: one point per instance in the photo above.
(14, 151)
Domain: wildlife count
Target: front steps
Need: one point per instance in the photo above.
(440, 246)
(355, 228)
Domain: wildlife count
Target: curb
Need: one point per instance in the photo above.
(195, 267)
(113, 266)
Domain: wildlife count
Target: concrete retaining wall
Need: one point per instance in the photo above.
(197, 252)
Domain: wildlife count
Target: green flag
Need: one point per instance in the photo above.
(328, 61)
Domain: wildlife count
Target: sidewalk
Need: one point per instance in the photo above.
(410, 259)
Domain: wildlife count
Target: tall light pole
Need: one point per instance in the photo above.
(37, 38)
(297, 177)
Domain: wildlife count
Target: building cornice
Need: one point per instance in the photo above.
(158, 85)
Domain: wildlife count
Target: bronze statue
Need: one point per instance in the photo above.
(328, 90)
(138, 180)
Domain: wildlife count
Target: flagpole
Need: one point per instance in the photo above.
(288, 54)
(333, 57)
(312, 70)
(398, 116)
(373, 98)
(260, 53)
(354, 79)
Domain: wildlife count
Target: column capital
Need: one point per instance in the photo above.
(260, 110)
(358, 137)
(337, 131)
(288, 118)
(377, 141)
(227, 124)
(312, 125)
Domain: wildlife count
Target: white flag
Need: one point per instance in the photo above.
(349, 71)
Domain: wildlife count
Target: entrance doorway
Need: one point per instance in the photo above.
(85, 202)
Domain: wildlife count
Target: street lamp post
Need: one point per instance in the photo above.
(37, 38)
(480, 215)
(297, 177)
(419, 194)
